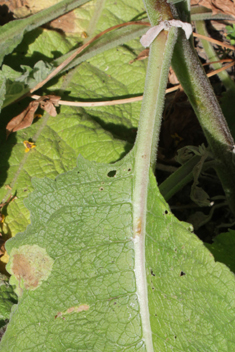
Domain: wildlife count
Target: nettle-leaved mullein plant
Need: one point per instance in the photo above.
(97, 261)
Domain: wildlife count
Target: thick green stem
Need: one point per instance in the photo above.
(200, 13)
(145, 154)
(201, 95)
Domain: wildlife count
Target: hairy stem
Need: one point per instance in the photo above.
(203, 100)
(145, 153)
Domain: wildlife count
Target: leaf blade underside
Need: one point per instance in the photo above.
(89, 302)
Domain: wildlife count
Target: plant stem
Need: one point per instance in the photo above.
(203, 100)
(175, 182)
(200, 13)
(145, 152)
(181, 177)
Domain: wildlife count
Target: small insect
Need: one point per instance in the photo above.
(84, 34)
(28, 146)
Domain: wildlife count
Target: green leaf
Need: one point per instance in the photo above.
(2, 88)
(30, 62)
(18, 83)
(11, 34)
(58, 142)
(87, 300)
(108, 41)
(103, 134)
(223, 249)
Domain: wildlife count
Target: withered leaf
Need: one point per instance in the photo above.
(53, 98)
(143, 55)
(49, 107)
(217, 6)
(24, 119)
(48, 104)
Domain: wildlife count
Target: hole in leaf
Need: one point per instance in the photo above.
(166, 211)
(112, 173)
(101, 189)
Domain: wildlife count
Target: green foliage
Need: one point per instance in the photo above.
(7, 299)
(223, 249)
(84, 220)
(74, 267)
(104, 134)
(231, 33)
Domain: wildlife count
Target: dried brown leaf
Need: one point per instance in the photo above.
(48, 103)
(48, 107)
(217, 6)
(143, 55)
(24, 8)
(53, 98)
(66, 23)
(24, 119)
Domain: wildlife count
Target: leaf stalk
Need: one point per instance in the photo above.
(145, 150)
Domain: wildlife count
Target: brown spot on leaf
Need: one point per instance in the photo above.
(78, 309)
(81, 308)
(29, 266)
(22, 270)
(66, 23)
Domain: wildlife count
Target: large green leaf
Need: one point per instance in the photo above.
(77, 269)
(79, 293)
(103, 134)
